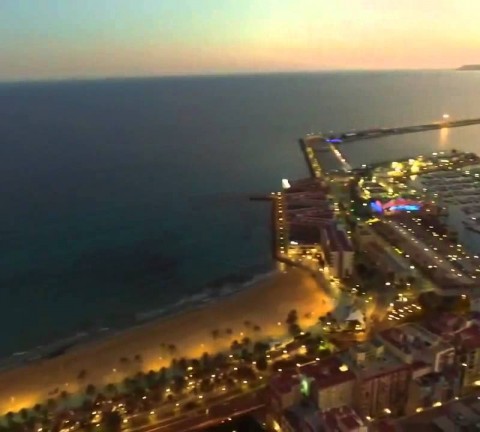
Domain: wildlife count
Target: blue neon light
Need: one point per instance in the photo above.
(376, 207)
(334, 140)
(405, 207)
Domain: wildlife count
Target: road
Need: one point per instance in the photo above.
(251, 402)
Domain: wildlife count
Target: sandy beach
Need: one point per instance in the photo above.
(265, 304)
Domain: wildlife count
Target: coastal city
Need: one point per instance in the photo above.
(239, 216)
(381, 334)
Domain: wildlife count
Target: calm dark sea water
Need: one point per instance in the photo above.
(123, 196)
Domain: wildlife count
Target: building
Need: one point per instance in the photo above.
(414, 343)
(304, 417)
(446, 325)
(295, 396)
(382, 379)
(312, 227)
(308, 208)
(338, 251)
(284, 391)
(458, 193)
(332, 383)
(308, 418)
(432, 389)
(342, 419)
(467, 344)
(372, 190)
(456, 416)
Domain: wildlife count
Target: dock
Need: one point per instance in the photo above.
(352, 136)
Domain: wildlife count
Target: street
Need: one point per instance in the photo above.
(215, 413)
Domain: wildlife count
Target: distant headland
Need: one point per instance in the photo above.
(469, 67)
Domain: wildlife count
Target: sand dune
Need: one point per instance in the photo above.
(265, 304)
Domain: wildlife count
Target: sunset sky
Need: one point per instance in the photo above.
(95, 38)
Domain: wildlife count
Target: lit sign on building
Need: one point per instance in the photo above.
(395, 205)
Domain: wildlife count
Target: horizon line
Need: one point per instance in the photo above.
(211, 75)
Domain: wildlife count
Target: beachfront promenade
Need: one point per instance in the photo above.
(352, 136)
(266, 304)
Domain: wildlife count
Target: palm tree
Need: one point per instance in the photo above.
(151, 377)
(87, 405)
(140, 378)
(219, 360)
(294, 329)
(260, 348)
(257, 328)
(229, 331)
(292, 317)
(261, 363)
(24, 414)
(112, 421)
(111, 389)
(246, 356)
(205, 359)
(182, 364)
(179, 384)
(90, 390)
(129, 384)
(10, 417)
(246, 341)
(172, 349)
(64, 395)
(215, 334)
(138, 358)
(196, 364)
(235, 345)
(162, 375)
(38, 408)
(51, 404)
(81, 375)
(124, 361)
(247, 324)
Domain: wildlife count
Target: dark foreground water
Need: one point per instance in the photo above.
(124, 196)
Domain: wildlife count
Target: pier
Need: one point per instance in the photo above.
(351, 136)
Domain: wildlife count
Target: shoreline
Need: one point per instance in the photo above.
(214, 291)
(265, 303)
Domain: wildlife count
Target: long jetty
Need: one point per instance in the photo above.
(351, 136)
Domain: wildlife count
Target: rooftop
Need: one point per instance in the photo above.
(328, 372)
(461, 415)
(284, 382)
(341, 419)
(445, 324)
(303, 413)
(370, 359)
(414, 339)
(336, 239)
(469, 338)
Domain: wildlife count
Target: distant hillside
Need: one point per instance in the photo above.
(469, 67)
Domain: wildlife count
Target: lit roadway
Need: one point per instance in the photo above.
(378, 133)
(218, 411)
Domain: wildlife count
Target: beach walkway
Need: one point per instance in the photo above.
(265, 304)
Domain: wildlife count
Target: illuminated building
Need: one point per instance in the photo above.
(395, 205)
(332, 382)
(414, 343)
(467, 343)
(343, 419)
(382, 379)
(338, 251)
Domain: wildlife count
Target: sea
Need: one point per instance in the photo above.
(124, 199)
